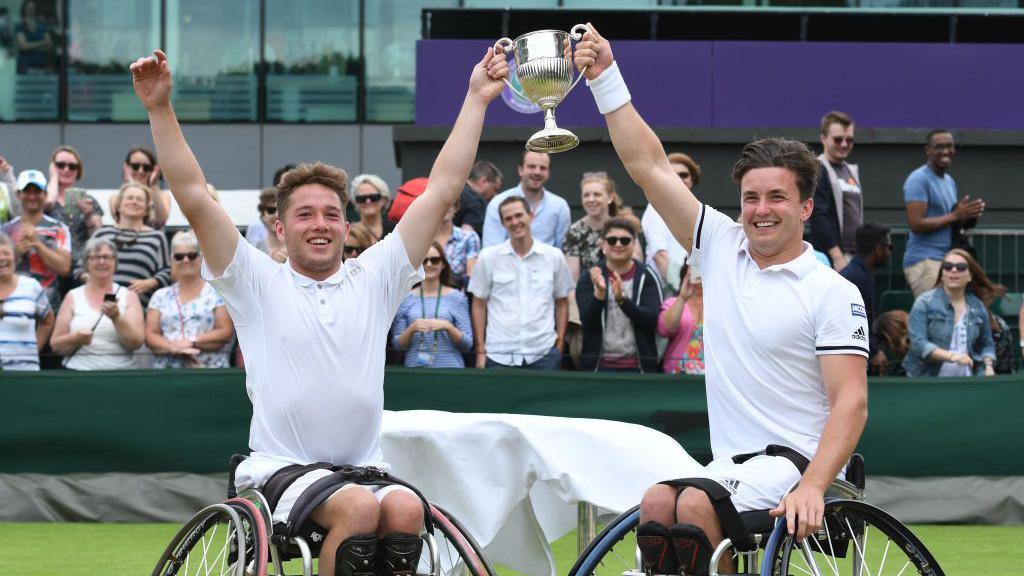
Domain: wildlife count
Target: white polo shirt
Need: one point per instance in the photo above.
(314, 354)
(520, 294)
(763, 333)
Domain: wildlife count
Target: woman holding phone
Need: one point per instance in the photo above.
(99, 323)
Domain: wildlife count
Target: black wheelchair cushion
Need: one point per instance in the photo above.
(310, 531)
(757, 521)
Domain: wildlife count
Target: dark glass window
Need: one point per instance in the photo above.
(213, 47)
(311, 49)
(30, 37)
(104, 38)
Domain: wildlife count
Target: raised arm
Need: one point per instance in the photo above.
(217, 234)
(637, 145)
(451, 169)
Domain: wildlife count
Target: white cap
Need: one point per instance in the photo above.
(34, 177)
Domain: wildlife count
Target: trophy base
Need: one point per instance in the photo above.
(552, 140)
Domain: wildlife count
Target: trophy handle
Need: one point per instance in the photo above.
(506, 44)
(576, 37)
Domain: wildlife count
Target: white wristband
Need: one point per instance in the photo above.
(609, 90)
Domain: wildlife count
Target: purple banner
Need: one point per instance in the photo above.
(750, 84)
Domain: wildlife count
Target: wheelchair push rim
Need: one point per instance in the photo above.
(856, 538)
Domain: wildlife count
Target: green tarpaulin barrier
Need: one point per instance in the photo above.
(193, 420)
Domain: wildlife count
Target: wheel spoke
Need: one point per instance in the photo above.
(831, 550)
(863, 558)
(905, 566)
(881, 567)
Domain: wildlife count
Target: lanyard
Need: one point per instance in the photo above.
(437, 309)
(181, 315)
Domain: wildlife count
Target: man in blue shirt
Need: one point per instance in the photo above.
(873, 250)
(933, 212)
(550, 211)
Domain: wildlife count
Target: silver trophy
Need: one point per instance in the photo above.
(545, 73)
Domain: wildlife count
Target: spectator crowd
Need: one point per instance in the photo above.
(510, 281)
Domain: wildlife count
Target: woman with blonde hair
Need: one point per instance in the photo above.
(950, 329)
(359, 239)
(187, 323)
(143, 259)
(371, 196)
(600, 200)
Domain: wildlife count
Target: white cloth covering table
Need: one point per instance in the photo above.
(514, 481)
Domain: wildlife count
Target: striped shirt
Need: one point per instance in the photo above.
(19, 314)
(141, 255)
(434, 349)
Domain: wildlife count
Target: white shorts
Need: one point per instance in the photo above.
(757, 484)
(292, 493)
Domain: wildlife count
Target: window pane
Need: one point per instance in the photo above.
(213, 48)
(392, 29)
(312, 55)
(29, 62)
(104, 38)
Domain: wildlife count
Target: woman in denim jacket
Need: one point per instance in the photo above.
(950, 333)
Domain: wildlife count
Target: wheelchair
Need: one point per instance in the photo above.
(237, 537)
(856, 539)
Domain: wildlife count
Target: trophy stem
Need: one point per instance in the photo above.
(549, 119)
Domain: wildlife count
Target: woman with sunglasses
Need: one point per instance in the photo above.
(950, 333)
(619, 302)
(187, 323)
(141, 251)
(432, 324)
(70, 204)
(140, 166)
(26, 318)
(371, 196)
(99, 323)
(359, 239)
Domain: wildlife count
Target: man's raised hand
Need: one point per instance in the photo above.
(151, 77)
(486, 80)
(593, 52)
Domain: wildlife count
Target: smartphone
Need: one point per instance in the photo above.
(109, 298)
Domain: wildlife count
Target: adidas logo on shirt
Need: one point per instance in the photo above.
(858, 334)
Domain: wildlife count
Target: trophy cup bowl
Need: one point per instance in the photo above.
(546, 76)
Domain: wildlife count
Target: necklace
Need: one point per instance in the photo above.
(425, 357)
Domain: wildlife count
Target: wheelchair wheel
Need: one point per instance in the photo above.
(456, 550)
(857, 538)
(228, 539)
(613, 551)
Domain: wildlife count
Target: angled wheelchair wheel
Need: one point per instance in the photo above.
(613, 551)
(857, 538)
(455, 552)
(226, 539)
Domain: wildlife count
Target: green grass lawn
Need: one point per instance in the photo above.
(132, 549)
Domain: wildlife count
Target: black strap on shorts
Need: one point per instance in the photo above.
(799, 460)
(318, 492)
(721, 498)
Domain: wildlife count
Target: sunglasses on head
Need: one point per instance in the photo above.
(623, 240)
(136, 166)
(840, 139)
(432, 260)
(352, 250)
(66, 165)
(958, 266)
(179, 256)
(366, 198)
(271, 210)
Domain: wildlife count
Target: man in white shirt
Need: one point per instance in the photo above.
(785, 337)
(520, 296)
(550, 211)
(313, 330)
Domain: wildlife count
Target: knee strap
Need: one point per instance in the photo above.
(656, 552)
(400, 554)
(692, 549)
(357, 556)
(721, 500)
